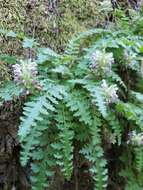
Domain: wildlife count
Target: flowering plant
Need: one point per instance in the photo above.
(135, 138)
(130, 57)
(72, 113)
(25, 74)
(110, 92)
(101, 62)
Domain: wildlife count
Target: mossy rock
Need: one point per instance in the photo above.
(52, 22)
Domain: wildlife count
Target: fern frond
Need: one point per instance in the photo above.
(7, 58)
(35, 120)
(32, 113)
(33, 139)
(9, 92)
(139, 158)
(131, 112)
(43, 163)
(137, 95)
(98, 98)
(113, 121)
(78, 103)
(54, 91)
(73, 46)
(115, 77)
(94, 153)
(64, 147)
(46, 54)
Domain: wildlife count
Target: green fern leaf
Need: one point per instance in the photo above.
(32, 113)
(131, 112)
(73, 46)
(9, 92)
(79, 105)
(33, 139)
(43, 164)
(63, 147)
(98, 98)
(139, 158)
(94, 153)
(116, 127)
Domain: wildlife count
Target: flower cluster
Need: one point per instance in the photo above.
(130, 57)
(135, 138)
(25, 73)
(110, 92)
(101, 62)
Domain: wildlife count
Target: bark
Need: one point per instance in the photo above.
(12, 175)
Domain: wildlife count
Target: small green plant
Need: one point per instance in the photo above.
(95, 86)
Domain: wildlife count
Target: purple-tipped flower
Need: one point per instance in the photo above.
(17, 72)
(129, 57)
(25, 73)
(135, 138)
(101, 62)
(110, 92)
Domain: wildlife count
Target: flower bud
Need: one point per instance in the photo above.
(110, 92)
(101, 62)
(135, 139)
(25, 73)
(129, 57)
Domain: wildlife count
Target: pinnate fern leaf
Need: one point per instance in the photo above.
(42, 167)
(33, 139)
(9, 92)
(139, 158)
(94, 153)
(116, 127)
(32, 113)
(78, 103)
(97, 98)
(63, 146)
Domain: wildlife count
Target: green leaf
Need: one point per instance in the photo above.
(29, 43)
(11, 34)
(32, 111)
(8, 59)
(10, 91)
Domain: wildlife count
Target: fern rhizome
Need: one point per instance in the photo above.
(90, 99)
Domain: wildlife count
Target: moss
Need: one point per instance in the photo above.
(4, 73)
(53, 23)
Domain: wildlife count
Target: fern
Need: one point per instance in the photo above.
(115, 77)
(9, 92)
(54, 92)
(46, 54)
(139, 158)
(73, 46)
(80, 106)
(116, 127)
(69, 105)
(131, 112)
(32, 113)
(36, 113)
(94, 153)
(33, 139)
(97, 98)
(64, 145)
(137, 95)
(132, 182)
(44, 162)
